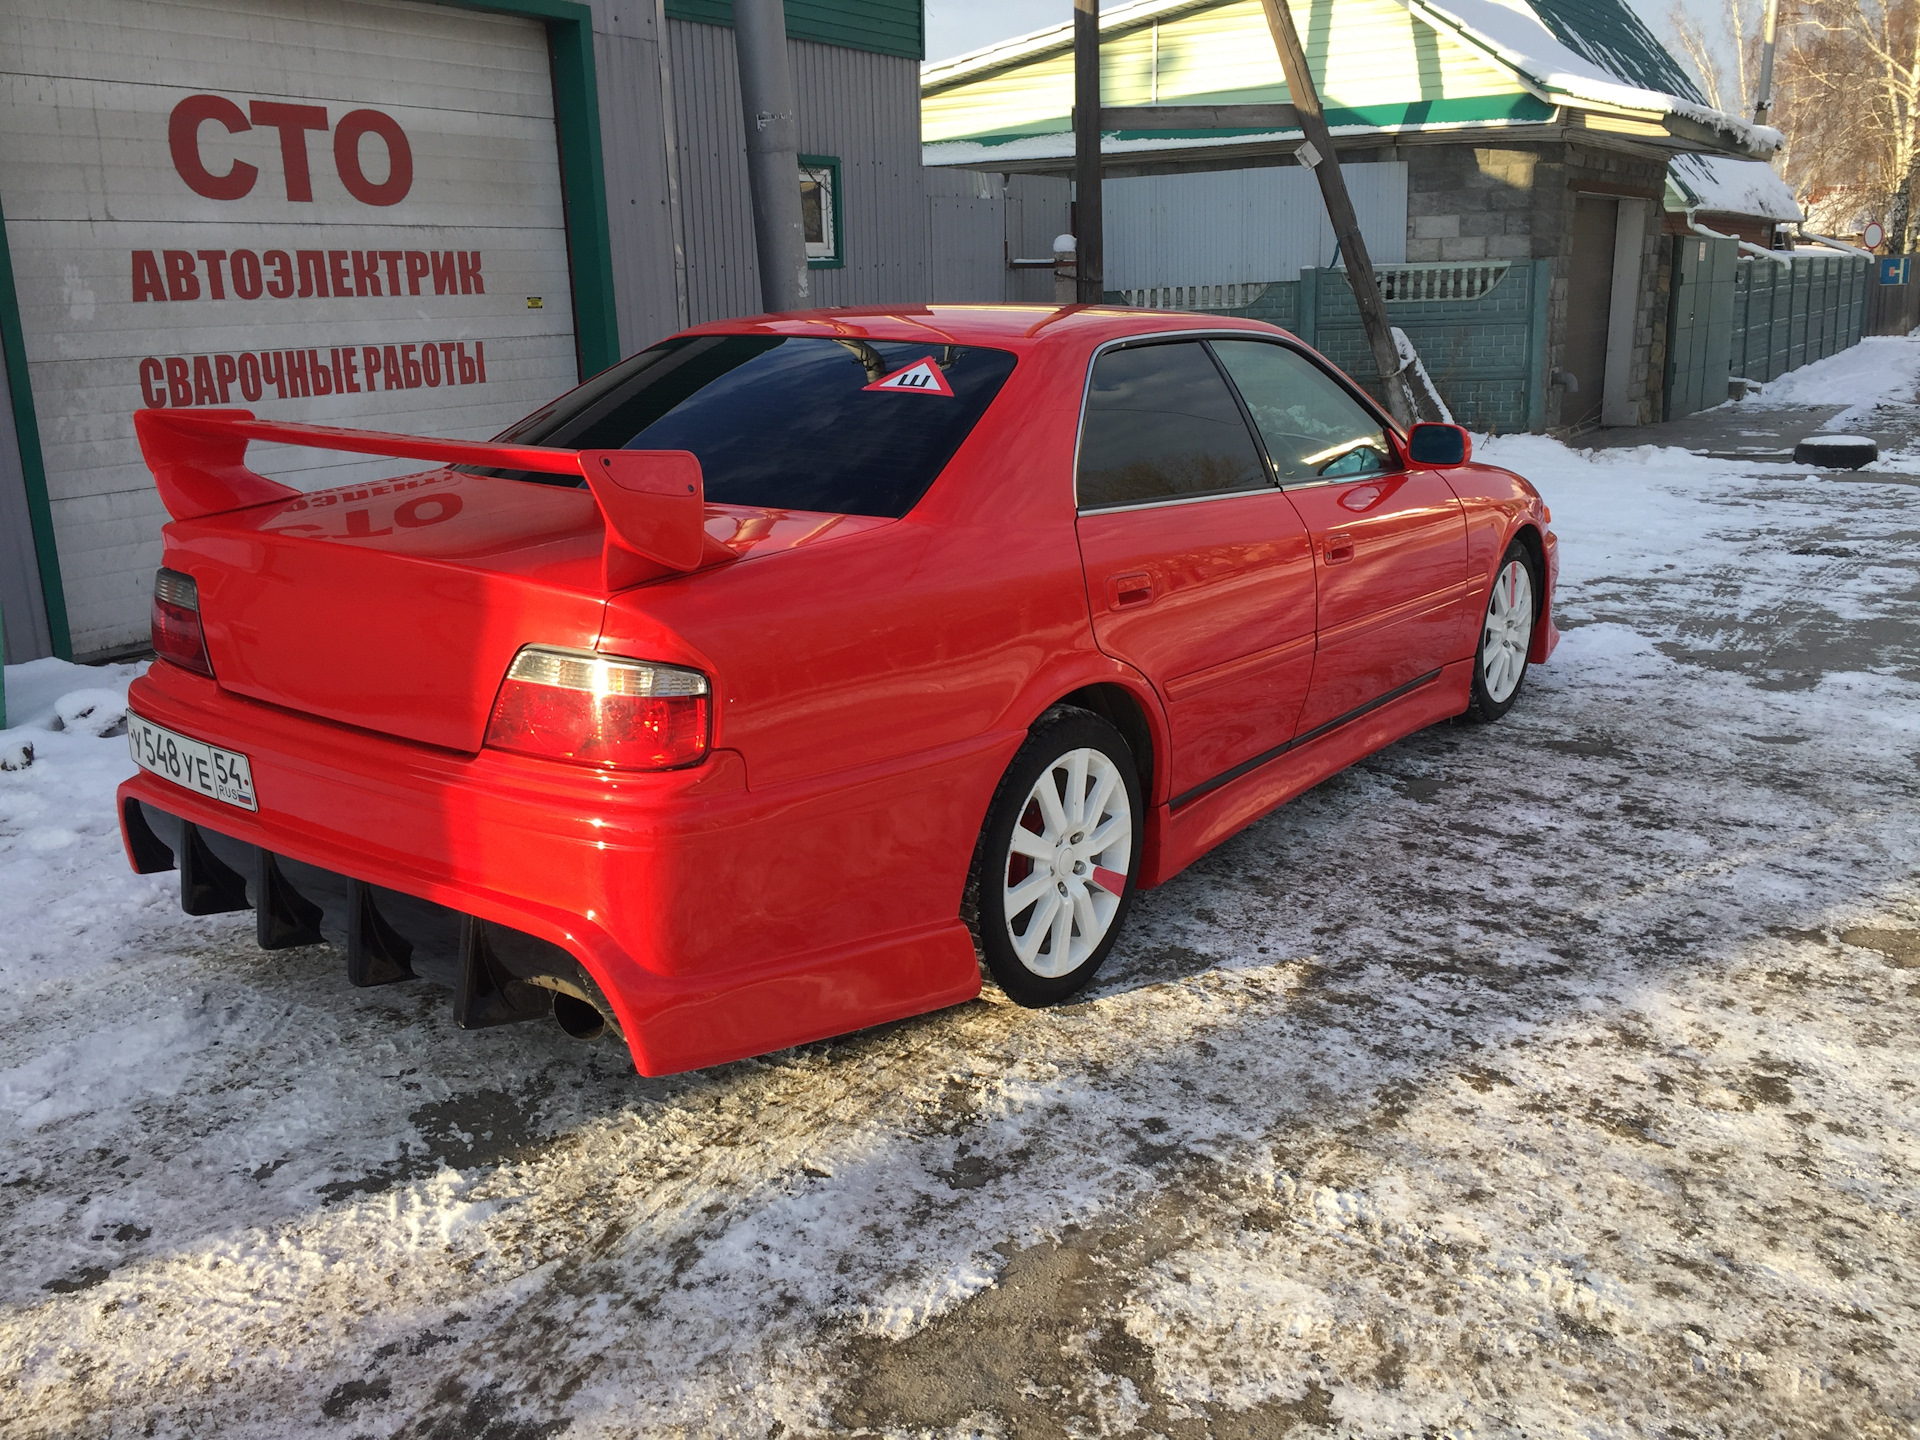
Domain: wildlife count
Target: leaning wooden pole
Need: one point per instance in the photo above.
(1089, 243)
(1318, 154)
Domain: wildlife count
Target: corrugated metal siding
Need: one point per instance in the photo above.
(1231, 227)
(864, 108)
(887, 27)
(977, 220)
(858, 106)
(634, 159)
(1038, 208)
(715, 208)
(966, 233)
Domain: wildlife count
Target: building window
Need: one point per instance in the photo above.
(820, 211)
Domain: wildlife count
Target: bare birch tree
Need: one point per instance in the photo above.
(1849, 73)
(1727, 90)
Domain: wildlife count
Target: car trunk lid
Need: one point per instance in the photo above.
(397, 607)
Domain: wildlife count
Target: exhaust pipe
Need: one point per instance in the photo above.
(578, 1018)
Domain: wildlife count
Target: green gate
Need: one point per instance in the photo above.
(1755, 317)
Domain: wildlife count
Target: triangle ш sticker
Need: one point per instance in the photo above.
(922, 377)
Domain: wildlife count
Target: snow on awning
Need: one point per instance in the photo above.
(1724, 186)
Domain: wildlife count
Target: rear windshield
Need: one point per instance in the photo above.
(858, 427)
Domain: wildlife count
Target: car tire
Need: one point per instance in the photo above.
(1506, 634)
(1046, 898)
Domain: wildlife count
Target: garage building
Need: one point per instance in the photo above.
(416, 216)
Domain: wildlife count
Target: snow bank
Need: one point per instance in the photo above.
(1881, 369)
(62, 873)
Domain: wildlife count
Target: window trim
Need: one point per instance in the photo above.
(1128, 342)
(1396, 441)
(831, 164)
(1204, 334)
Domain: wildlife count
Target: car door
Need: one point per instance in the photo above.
(1198, 570)
(1389, 541)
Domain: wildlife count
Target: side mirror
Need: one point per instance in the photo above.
(1439, 445)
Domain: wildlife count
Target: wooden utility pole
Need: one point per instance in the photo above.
(1318, 155)
(1090, 282)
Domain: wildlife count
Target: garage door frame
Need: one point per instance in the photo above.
(576, 109)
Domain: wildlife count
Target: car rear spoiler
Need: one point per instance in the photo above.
(653, 501)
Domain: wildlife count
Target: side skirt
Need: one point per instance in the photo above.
(1200, 819)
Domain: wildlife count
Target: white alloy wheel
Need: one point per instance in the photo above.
(1509, 632)
(1067, 862)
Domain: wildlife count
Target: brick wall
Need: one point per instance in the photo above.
(1485, 203)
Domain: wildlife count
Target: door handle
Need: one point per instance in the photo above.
(1339, 548)
(1126, 591)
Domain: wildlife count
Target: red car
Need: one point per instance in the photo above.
(771, 682)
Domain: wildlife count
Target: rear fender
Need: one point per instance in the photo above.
(1106, 679)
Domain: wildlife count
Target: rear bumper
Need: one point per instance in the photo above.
(663, 887)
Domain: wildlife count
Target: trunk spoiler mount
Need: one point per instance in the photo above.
(653, 501)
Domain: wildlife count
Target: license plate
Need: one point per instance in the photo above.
(191, 764)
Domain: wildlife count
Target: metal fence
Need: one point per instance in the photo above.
(1480, 327)
(1733, 316)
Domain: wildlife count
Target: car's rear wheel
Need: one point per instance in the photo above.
(1506, 635)
(1053, 872)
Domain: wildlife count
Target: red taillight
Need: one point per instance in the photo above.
(176, 622)
(601, 710)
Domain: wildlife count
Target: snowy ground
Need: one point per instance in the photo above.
(1549, 1078)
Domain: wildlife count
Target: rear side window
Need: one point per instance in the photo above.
(1313, 428)
(786, 422)
(1162, 425)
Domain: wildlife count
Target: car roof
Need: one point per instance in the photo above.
(1012, 327)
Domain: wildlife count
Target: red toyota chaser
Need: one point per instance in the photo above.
(773, 681)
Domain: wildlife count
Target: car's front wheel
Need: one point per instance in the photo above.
(1053, 873)
(1506, 635)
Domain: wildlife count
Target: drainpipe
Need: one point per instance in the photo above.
(1833, 244)
(773, 151)
(1763, 102)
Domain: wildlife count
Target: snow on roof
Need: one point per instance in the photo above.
(1514, 34)
(1720, 185)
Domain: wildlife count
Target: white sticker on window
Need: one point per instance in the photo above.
(922, 377)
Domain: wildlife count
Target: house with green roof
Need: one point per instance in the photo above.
(1508, 160)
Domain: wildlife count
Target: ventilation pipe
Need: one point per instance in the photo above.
(773, 151)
